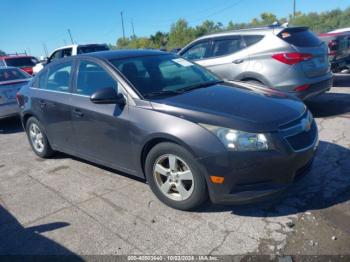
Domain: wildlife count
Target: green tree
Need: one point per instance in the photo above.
(180, 34)
(2, 52)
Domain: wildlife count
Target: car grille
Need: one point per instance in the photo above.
(303, 139)
(296, 133)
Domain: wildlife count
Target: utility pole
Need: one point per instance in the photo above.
(121, 14)
(132, 26)
(70, 35)
(294, 4)
(45, 50)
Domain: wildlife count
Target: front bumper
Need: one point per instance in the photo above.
(253, 176)
(8, 110)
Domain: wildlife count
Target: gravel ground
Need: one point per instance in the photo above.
(68, 206)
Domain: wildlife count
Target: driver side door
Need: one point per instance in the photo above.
(101, 130)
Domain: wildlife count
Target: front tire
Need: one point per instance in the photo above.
(38, 139)
(174, 177)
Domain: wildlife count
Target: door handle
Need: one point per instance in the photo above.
(42, 103)
(238, 61)
(78, 113)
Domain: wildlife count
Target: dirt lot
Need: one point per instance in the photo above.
(68, 206)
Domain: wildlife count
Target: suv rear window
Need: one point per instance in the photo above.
(21, 61)
(301, 37)
(91, 48)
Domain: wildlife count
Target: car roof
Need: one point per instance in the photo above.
(75, 45)
(248, 31)
(124, 53)
(14, 56)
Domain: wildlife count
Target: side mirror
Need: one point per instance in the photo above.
(107, 96)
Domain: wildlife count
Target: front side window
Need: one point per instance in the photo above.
(198, 51)
(92, 77)
(55, 56)
(58, 78)
(227, 46)
(163, 74)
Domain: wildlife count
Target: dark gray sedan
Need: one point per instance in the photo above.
(160, 117)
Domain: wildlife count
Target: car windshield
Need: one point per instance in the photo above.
(163, 75)
(91, 48)
(21, 61)
(11, 74)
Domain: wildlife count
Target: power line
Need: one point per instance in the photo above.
(217, 12)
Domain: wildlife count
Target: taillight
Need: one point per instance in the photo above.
(20, 99)
(292, 58)
(301, 88)
(28, 70)
(332, 45)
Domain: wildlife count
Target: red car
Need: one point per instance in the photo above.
(25, 62)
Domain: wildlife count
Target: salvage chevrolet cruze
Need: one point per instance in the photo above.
(160, 117)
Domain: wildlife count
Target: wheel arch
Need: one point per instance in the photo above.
(155, 140)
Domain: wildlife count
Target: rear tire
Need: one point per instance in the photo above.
(38, 139)
(174, 177)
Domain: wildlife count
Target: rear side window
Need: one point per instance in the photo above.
(299, 37)
(227, 46)
(10, 74)
(252, 39)
(91, 48)
(198, 51)
(59, 77)
(21, 61)
(66, 52)
(92, 77)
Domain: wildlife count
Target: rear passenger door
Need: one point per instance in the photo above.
(228, 58)
(53, 103)
(100, 130)
(225, 56)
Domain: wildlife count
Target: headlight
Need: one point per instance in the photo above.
(236, 140)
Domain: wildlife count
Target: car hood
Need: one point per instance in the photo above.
(238, 106)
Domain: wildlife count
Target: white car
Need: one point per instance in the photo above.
(70, 50)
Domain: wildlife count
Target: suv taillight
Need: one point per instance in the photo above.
(20, 99)
(333, 46)
(292, 58)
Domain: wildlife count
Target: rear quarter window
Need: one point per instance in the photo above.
(252, 39)
(299, 37)
(21, 61)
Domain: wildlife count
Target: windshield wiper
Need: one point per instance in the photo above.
(200, 85)
(161, 93)
(181, 90)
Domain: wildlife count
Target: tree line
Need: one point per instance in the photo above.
(181, 33)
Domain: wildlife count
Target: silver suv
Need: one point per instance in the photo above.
(291, 59)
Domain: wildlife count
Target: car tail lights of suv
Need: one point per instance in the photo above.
(292, 58)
